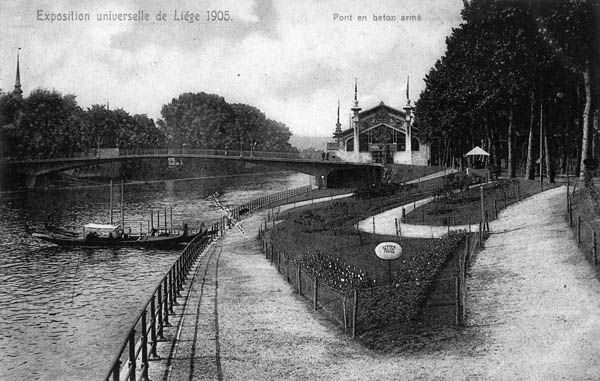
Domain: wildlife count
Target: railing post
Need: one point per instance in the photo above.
(153, 328)
(166, 301)
(160, 313)
(173, 291)
(179, 277)
(132, 364)
(144, 344)
(116, 371)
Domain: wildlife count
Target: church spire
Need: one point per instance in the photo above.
(17, 89)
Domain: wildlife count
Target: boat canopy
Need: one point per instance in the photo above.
(101, 227)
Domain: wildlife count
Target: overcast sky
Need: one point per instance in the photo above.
(290, 59)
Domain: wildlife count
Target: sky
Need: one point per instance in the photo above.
(292, 59)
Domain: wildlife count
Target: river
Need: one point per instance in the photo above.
(64, 312)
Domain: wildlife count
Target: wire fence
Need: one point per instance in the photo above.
(465, 207)
(356, 310)
(582, 216)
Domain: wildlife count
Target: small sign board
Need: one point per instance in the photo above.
(388, 251)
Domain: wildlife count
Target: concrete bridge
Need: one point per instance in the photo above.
(328, 173)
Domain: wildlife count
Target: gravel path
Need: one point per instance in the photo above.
(537, 295)
(534, 313)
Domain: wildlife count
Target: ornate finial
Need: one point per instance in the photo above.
(18, 90)
(408, 90)
(355, 108)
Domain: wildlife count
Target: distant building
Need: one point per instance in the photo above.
(380, 134)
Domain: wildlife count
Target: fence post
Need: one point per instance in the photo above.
(571, 212)
(457, 298)
(396, 221)
(344, 314)
(518, 191)
(299, 280)
(373, 224)
(316, 293)
(594, 246)
(354, 312)
(578, 230)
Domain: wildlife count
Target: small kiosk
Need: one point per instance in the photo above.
(478, 163)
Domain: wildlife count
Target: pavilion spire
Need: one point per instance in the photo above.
(408, 90)
(338, 125)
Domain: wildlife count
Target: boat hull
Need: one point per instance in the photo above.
(145, 241)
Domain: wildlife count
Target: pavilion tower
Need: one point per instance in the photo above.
(408, 111)
(338, 125)
(355, 120)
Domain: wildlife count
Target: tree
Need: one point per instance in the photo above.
(207, 121)
(572, 29)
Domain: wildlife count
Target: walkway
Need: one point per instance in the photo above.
(385, 223)
(534, 313)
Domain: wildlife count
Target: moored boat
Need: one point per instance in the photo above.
(106, 235)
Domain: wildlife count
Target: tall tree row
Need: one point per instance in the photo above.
(50, 124)
(511, 69)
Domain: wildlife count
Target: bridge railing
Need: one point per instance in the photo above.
(147, 328)
(160, 152)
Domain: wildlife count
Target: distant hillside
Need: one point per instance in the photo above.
(306, 142)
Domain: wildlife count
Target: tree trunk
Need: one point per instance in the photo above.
(530, 166)
(510, 139)
(587, 133)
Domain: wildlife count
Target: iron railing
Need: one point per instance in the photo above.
(160, 152)
(147, 328)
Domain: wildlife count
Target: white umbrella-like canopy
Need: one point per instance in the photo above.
(477, 151)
